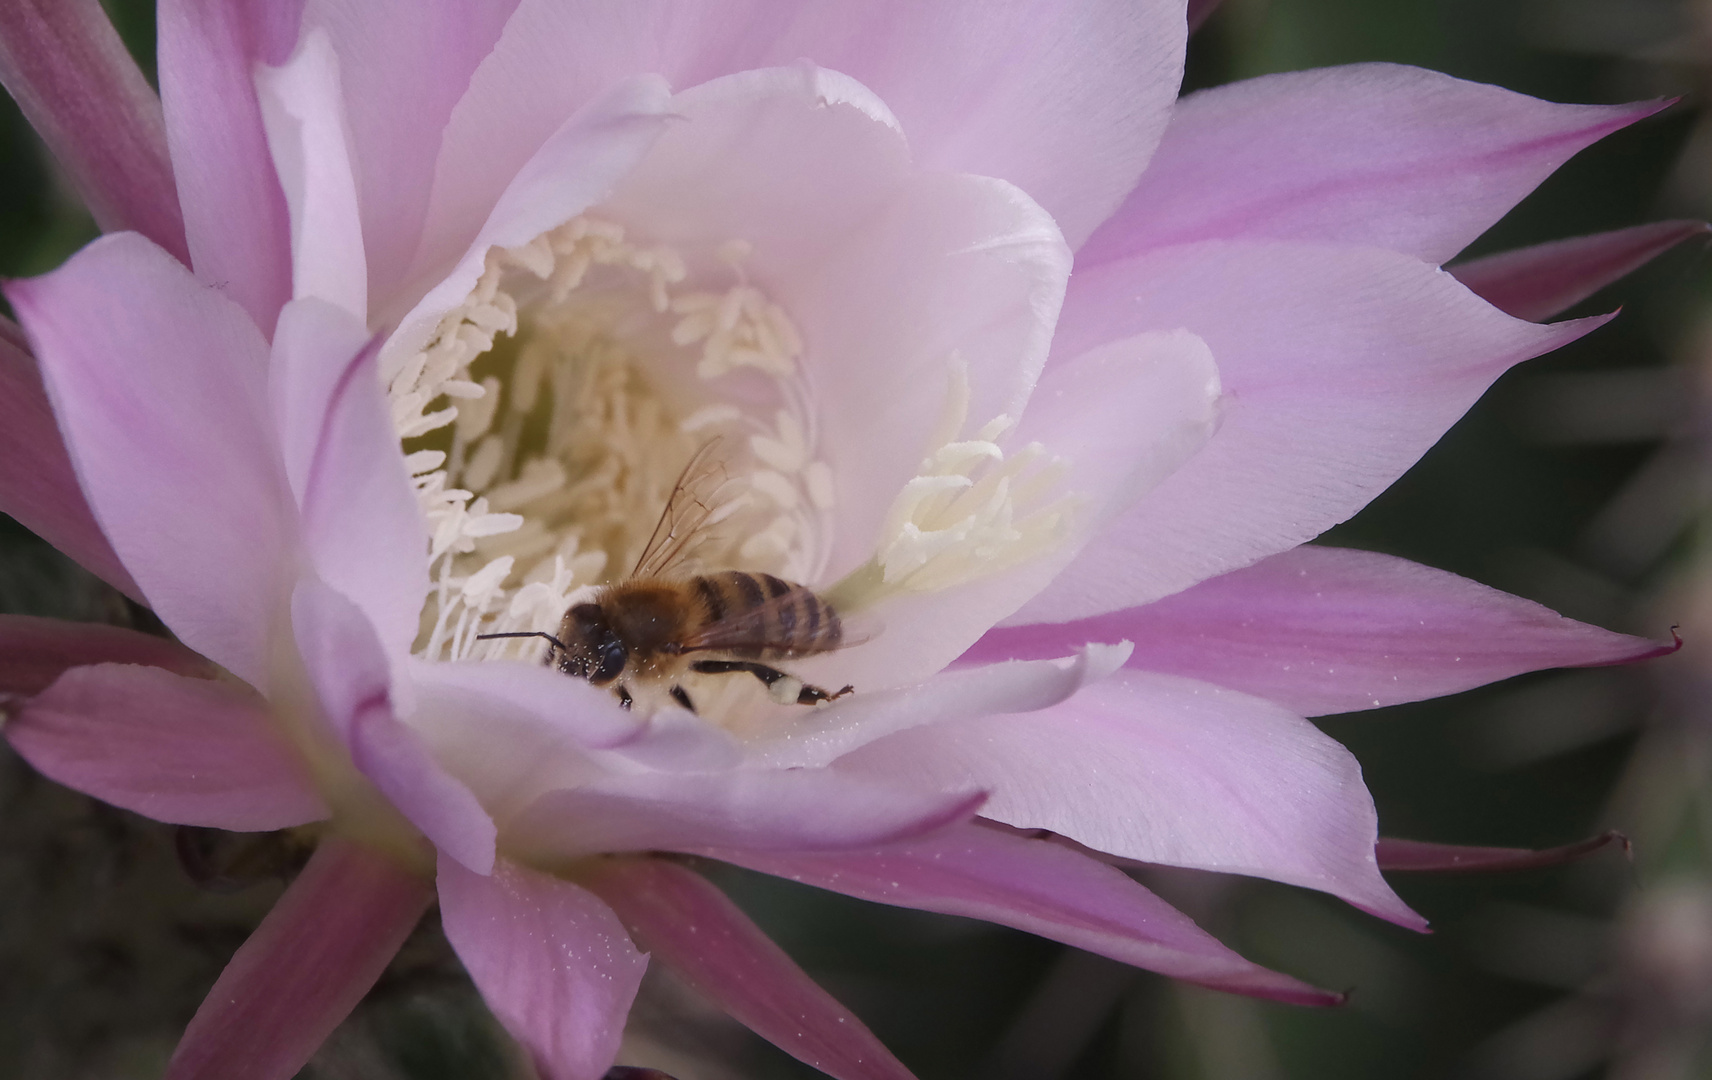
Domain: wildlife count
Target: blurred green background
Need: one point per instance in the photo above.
(1575, 482)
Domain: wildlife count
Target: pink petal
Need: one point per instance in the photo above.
(1324, 630)
(1164, 770)
(832, 731)
(1421, 857)
(1125, 416)
(352, 682)
(361, 522)
(1118, 420)
(1016, 90)
(305, 968)
(552, 961)
(1013, 90)
(570, 708)
(188, 751)
(38, 487)
(1376, 155)
(762, 809)
(512, 732)
(1342, 366)
(304, 117)
(159, 383)
(682, 919)
(82, 92)
(235, 217)
(1538, 282)
(887, 272)
(577, 166)
(401, 74)
(1040, 887)
(34, 652)
(678, 741)
(436, 802)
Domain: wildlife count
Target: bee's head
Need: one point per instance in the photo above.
(592, 650)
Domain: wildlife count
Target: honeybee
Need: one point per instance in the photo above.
(656, 625)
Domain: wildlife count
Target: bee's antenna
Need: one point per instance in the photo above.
(527, 633)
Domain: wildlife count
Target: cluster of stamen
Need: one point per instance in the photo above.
(543, 445)
(968, 512)
(542, 471)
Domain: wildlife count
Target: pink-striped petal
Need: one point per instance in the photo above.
(1377, 155)
(34, 652)
(182, 750)
(1342, 367)
(1167, 770)
(1325, 630)
(70, 74)
(305, 968)
(1417, 856)
(763, 809)
(159, 383)
(353, 685)
(38, 486)
(361, 521)
(235, 218)
(1537, 282)
(1043, 888)
(683, 920)
(552, 962)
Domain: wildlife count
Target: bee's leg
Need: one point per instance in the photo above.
(814, 695)
(624, 698)
(784, 688)
(682, 698)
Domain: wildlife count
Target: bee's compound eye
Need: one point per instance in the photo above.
(612, 657)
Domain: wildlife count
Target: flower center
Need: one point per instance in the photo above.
(548, 419)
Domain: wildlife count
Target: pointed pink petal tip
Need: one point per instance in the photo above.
(1538, 282)
(34, 651)
(312, 959)
(1416, 856)
(1041, 887)
(1326, 630)
(83, 93)
(684, 920)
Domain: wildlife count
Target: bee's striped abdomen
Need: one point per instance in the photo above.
(764, 617)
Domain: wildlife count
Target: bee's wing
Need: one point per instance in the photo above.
(761, 627)
(691, 503)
